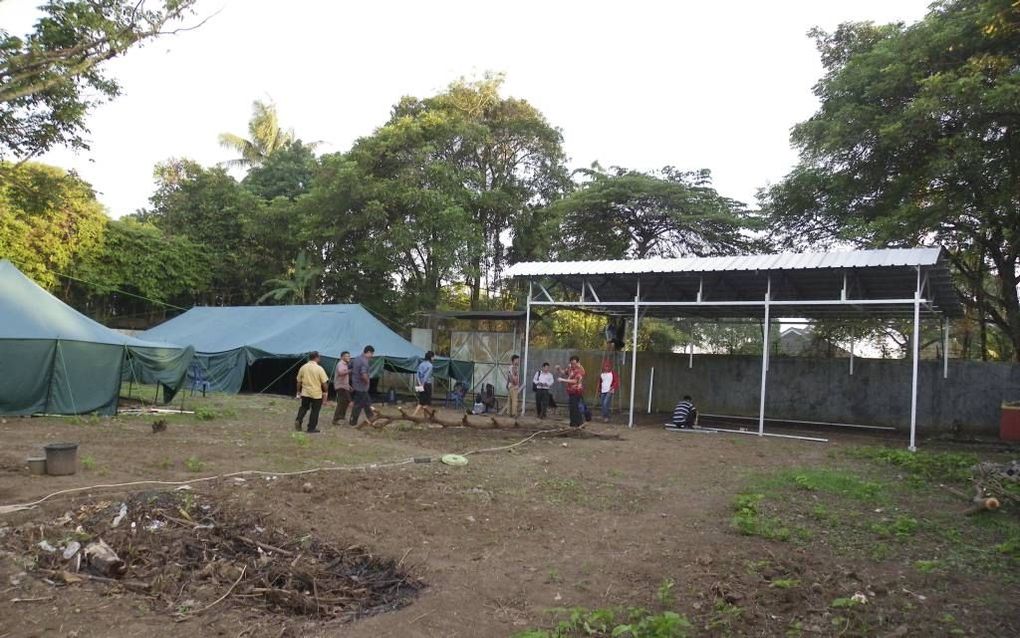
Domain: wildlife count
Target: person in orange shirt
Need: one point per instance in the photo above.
(574, 381)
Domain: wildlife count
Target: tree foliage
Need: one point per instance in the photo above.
(916, 142)
(297, 286)
(48, 218)
(622, 213)
(51, 78)
(137, 270)
(265, 137)
(210, 208)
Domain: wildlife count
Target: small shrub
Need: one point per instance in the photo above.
(300, 438)
(205, 414)
(193, 464)
(88, 463)
(665, 593)
(749, 521)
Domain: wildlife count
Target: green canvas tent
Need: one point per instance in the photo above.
(55, 360)
(257, 348)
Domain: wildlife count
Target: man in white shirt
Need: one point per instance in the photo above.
(542, 382)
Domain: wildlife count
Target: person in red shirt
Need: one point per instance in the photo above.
(574, 382)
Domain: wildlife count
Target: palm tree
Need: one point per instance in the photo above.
(266, 137)
(295, 286)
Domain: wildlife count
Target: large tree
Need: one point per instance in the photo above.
(623, 213)
(48, 218)
(511, 160)
(52, 77)
(211, 208)
(917, 142)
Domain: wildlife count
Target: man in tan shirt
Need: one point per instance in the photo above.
(312, 388)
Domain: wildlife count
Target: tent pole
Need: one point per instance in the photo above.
(633, 356)
(764, 358)
(945, 349)
(915, 348)
(527, 335)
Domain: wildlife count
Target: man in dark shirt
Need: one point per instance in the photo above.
(685, 414)
(361, 376)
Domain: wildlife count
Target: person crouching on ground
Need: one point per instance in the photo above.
(543, 382)
(361, 377)
(685, 414)
(574, 382)
(312, 387)
(424, 382)
(342, 383)
(609, 383)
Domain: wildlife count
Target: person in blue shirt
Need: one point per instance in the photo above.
(423, 384)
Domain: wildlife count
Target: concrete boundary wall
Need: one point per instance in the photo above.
(878, 393)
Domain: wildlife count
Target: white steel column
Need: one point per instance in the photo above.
(851, 352)
(651, 384)
(690, 359)
(764, 360)
(915, 348)
(527, 334)
(633, 357)
(945, 350)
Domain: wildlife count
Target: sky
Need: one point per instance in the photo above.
(639, 84)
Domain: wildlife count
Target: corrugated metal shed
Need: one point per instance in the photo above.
(802, 284)
(785, 261)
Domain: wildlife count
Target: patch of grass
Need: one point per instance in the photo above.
(615, 623)
(205, 414)
(300, 438)
(837, 482)
(941, 466)
(560, 490)
(927, 566)
(845, 603)
(785, 583)
(193, 464)
(167, 463)
(88, 463)
(553, 576)
(899, 527)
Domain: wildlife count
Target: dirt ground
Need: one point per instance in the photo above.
(506, 540)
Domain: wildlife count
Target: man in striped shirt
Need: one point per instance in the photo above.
(684, 414)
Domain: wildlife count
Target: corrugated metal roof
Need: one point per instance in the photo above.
(786, 261)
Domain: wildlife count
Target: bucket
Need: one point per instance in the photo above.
(37, 465)
(61, 458)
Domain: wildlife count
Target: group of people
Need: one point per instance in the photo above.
(352, 377)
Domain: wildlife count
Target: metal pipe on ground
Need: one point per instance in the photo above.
(802, 422)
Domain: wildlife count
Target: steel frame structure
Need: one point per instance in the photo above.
(806, 293)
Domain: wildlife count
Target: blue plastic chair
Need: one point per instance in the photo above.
(197, 375)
